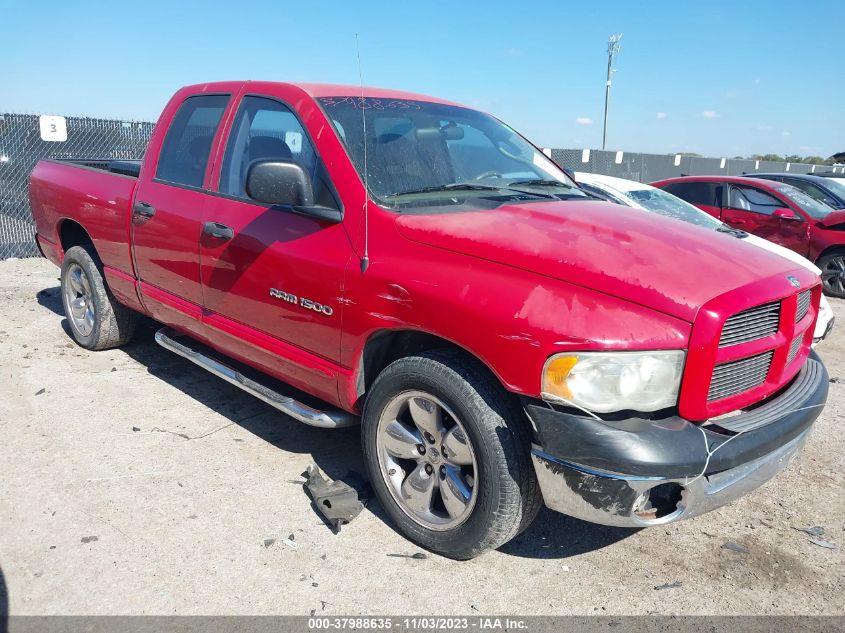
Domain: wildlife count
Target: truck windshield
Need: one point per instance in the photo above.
(811, 206)
(420, 152)
(665, 203)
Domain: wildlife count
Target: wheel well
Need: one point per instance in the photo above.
(830, 250)
(387, 346)
(72, 234)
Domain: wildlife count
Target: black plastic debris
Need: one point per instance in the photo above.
(337, 501)
(815, 530)
(417, 556)
(669, 585)
(735, 547)
(817, 540)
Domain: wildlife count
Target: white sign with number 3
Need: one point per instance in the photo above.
(53, 128)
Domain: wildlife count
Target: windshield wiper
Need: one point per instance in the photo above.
(724, 228)
(539, 182)
(456, 186)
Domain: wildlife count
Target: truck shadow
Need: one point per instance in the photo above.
(556, 536)
(4, 604)
(335, 451)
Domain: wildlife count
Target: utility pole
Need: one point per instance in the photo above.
(612, 51)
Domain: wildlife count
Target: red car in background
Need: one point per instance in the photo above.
(775, 211)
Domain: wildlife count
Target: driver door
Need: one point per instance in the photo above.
(264, 268)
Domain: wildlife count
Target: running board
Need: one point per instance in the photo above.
(287, 405)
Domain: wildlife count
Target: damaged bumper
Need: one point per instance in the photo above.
(637, 473)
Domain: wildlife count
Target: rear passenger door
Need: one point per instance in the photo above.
(751, 209)
(706, 195)
(167, 211)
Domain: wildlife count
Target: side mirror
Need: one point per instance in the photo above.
(786, 214)
(279, 182)
(285, 183)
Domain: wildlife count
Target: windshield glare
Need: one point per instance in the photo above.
(810, 206)
(664, 203)
(420, 149)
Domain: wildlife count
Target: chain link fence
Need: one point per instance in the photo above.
(650, 167)
(22, 144)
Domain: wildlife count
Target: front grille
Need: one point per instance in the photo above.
(738, 376)
(750, 325)
(794, 348)
(803, 305)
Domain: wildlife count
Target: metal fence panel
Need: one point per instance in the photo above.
(22, 145)
(651, 167)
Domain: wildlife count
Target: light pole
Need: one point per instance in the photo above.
(612, 51)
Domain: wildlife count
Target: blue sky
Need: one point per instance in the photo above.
(719, 78)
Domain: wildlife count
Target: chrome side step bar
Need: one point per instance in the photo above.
(287, 405)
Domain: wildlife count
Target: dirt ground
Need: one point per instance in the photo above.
(135, 483)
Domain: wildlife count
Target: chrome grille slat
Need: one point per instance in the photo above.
(803, 305)
(794, 348)
(730, 379)
(751, 325)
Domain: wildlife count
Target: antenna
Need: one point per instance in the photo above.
(365, 260)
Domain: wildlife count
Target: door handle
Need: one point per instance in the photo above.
(143, 210)
(219, 231)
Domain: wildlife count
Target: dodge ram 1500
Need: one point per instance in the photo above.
(417, 266)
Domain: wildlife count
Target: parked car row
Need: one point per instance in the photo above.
(776, 211)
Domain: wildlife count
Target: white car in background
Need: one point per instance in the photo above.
(640, 196)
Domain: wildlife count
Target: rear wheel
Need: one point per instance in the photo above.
(96, 319)
(833, 273)
(448, 454)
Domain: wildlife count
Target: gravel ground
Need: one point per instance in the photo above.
(135, 483)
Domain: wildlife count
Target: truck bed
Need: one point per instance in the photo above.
(95, 194)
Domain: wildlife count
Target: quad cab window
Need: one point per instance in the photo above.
(184, 153)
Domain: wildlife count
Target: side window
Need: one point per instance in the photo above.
(754, 200)
(264, 129)
(706, 193)
(184, 153)
(813, 191)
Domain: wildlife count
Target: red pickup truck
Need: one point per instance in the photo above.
(503, 339)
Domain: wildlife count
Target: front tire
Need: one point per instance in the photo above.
(448, 453)
(832, 265)
(97, 320)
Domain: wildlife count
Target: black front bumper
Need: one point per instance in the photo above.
(607, 471)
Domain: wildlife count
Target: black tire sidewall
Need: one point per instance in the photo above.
(465, 540)
(78, 255)
(822, 262)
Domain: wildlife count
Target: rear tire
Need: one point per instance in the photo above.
(832, 265)
(96, 319)
(465, 488)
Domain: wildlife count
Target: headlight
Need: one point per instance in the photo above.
(615, 381)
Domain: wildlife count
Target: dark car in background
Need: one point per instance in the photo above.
(775, 211)
(828, 190)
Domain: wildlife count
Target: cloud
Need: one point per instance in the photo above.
(710, 114)
(662, 115)
(584, 120)
(785, 134)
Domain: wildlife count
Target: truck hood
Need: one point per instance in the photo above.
(833, 218)
(644, 258)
